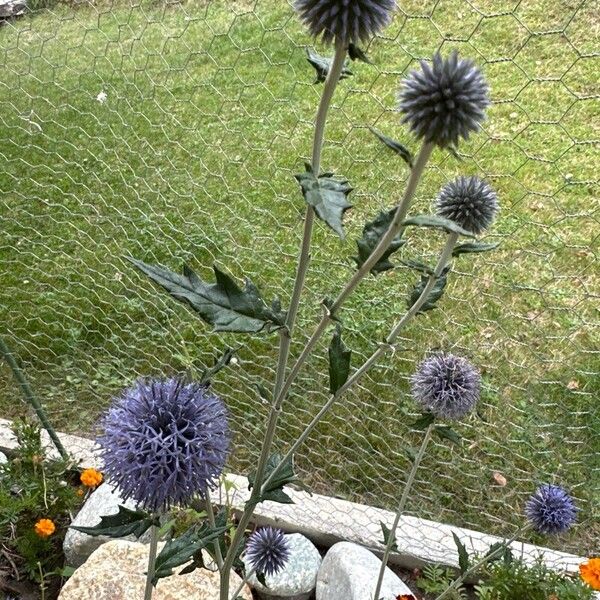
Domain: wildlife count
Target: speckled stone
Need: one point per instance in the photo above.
(298, 579)
(103, 501)
(350, 572)
(116, 571)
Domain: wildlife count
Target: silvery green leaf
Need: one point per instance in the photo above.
(438, 223)
(470, 247)
(223, 304)
(327, 196)
(401, 150)
(356, 53)
(274, 490)
(125, 522)
(322, 64)
(220, 362)
(339, 361)
(372, 232)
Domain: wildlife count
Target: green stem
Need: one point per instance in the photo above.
(407, 488)
(151, 562)
(285, 337)
(211, 521)
(31, 398)
(471, 570)
(443, 260)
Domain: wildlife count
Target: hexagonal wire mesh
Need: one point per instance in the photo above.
(171, 132)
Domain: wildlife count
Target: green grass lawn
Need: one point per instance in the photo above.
(191, 158)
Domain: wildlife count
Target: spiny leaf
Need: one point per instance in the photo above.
(447, 433)
(463, 555)
(434, 295)
(419, 266)
(372, 232)
(274, 490)
(438, 223)
(470, 247)
(220, 362)
(424, 421)
(339, 361)
(322, 64)
(506, 555)
(327, 196)
(401, 150)
(454, 152)
(261, 579)
(386, 531)
(356, 53)
(179, 551)
(125, 522)
(222, 304)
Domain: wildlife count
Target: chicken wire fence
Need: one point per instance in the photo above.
(171, 132)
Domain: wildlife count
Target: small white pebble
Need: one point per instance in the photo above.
(102, 97)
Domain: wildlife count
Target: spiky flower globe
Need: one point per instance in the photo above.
(444, 101)
(347, 21)
(164, 442)
(267, 550)
(448, 386)
(551, 509)
(470, 202)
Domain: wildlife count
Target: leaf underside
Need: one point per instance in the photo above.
(125, 522)
(438, 223)
(223, 304)
(339, 361)
(447, 433)
(472, 247)
(327, 196)
(372, 232)
(434, 295)
(402, 151)
(322, 64)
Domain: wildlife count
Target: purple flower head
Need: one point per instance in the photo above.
(445, 101)
(348, 21)
(551, 509)
(164, 442)
(446, 385)
(267, 550)
(468, 201)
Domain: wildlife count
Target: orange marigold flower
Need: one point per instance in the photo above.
(91, 478)
(590, 573)
(405, 597)
(45, 528)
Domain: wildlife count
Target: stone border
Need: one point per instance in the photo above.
(326, 520)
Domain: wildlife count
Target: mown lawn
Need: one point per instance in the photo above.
(188, 154)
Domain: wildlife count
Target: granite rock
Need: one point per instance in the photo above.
(116, 571)
(350, 572)
(103, 501)
(297, 580)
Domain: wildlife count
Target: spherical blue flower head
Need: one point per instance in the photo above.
(267, 550)
(347, 21)
(470, 202)
(164, 442)
(448, 386)
(551, 509)
(445, 101)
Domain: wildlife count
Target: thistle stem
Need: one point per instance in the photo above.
(471, 570)
(151, 562)
(243, 583)
(285, 336)
(211, 521)
(31, 398)
(443, 260)
(407, 488)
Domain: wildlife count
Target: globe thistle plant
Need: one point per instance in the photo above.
(448, 386)
(470, 202)
(551, 509)
(267, 550)
(164, 442)
(445, 101)
(346, 21)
